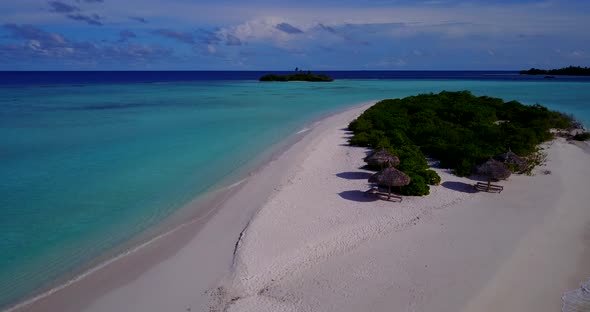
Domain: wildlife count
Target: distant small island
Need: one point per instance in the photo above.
(299, 75)
(566, 71)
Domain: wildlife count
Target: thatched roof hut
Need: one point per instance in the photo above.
(512, 160)
(381, 158)
(494, 170)
(390, 177)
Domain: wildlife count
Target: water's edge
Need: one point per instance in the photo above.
(256, 109)
(193, 215)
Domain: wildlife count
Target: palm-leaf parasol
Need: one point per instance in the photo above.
(512, 159)
(381, 158)
(390, 177)
(493, 170)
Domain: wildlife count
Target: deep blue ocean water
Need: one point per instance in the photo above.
(90, 160)
(84, 77)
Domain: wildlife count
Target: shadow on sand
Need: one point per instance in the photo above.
(459, 187)
(358, 175)
(357, 196)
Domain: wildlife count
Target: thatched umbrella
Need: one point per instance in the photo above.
(380, 158)
(390, 177)
(494, 170)
(510, 158)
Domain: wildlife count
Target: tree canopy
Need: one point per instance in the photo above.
(457, 128)
(566, 71)
(298, 76)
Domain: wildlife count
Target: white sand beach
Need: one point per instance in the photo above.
(316, 243)
(320, 245)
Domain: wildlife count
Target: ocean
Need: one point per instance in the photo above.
(90, 160)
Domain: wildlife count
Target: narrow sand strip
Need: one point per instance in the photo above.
(319, 245)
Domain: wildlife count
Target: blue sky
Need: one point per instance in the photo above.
(274, 35)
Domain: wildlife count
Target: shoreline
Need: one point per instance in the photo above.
(319, 245)
(160, 243)
(106, 287)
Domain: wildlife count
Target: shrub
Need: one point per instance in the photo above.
(464, 168)
(360, 139)
(585, 136)
(360, 125)
(539, 157)
(411, 158)
(457, 128)
(431, 177)
(417, 186)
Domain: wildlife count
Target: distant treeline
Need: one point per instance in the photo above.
(566, 71)
(298, 76)
(456, 128)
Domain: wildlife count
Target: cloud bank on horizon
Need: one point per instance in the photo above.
(319, 35)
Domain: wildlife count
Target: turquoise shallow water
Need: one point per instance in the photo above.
(85, 168)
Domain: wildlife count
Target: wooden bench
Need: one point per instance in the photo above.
(492, 188)
(381, 194)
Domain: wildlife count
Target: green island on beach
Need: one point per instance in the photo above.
(566, 71)
(458, 129)
(329, 156)
(298, 76)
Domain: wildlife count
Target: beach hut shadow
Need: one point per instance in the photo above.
(356, 175)
(357, 196)
(459, 186)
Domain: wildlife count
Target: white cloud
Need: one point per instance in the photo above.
(406, 31)
(579, 54)
(258, 29)
(34, 45)
(544, 15)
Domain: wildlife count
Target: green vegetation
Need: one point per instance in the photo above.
(457, 128)
(298, 76)
(534, 159)
(431, 177)
(566, 71)
(417, 186)
(584, 136)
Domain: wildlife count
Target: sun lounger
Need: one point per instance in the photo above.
(374, 191)
(492, 188)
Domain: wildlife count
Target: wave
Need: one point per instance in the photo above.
(303, 130)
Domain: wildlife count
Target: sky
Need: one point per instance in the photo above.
(282, 35)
